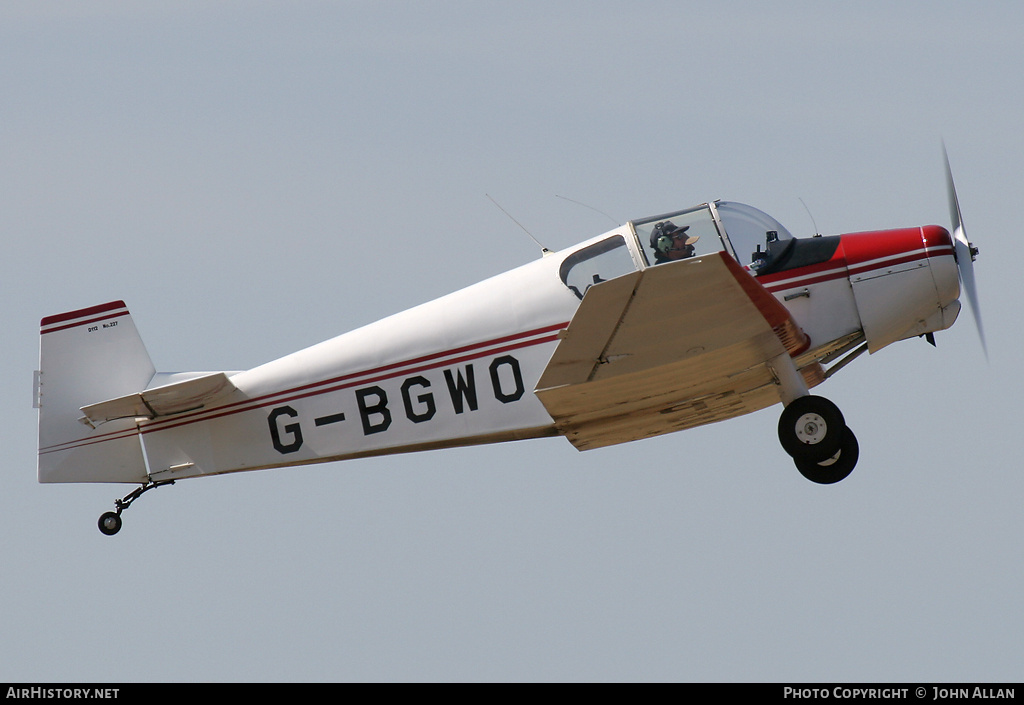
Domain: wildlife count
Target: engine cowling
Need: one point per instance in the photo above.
(904, 282)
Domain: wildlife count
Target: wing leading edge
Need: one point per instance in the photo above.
(668, 348)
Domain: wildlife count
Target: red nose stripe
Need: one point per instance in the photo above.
(885, 248)
(864, 252)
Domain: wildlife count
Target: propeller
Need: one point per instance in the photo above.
(966, 252)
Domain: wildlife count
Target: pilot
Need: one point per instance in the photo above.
(670, 242)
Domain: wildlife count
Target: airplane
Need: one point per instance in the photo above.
(662, 324)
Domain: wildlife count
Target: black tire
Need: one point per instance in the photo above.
(110, 523)
(835, 468)
(811, 429)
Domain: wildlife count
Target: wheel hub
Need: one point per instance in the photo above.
(811, 429)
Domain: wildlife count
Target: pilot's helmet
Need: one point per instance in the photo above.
(670, 241)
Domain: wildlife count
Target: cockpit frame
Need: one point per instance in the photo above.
(746, 234)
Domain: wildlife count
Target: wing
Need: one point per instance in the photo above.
(667, 348)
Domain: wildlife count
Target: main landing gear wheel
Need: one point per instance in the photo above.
(811, 429)
(836, 468)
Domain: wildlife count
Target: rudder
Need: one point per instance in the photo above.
(87, 356)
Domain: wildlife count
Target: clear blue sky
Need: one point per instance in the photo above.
(252, 178)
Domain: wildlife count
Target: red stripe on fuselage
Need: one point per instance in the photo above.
(436, 360)
(864, 252)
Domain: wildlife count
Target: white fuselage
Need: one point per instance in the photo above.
(459, 370)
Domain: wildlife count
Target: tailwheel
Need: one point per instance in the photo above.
(110, 523)
(811, 429)
(835, 468)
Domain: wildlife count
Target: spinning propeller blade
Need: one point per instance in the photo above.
(965, 252)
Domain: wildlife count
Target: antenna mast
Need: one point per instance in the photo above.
(578, 203)
(543, 249)
(817, 233)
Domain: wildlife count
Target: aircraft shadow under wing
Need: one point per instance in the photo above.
(667, 348)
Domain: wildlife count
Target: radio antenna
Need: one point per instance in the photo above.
(817, 233)
(543, 249)
(590, 207)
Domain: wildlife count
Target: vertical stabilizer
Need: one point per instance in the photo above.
(88, 356)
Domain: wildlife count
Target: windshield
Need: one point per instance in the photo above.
(596, 263)
(751, 232)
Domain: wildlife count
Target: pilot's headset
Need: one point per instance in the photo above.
(661, 237)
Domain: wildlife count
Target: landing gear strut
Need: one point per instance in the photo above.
(812, 430)
(110, 522)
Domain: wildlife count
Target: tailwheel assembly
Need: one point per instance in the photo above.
(110, 522)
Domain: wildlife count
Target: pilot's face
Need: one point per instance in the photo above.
(680, 250)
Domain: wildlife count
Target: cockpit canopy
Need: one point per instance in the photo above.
(749, 235)
(741, 230)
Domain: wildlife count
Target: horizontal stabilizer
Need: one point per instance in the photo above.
(166, 400)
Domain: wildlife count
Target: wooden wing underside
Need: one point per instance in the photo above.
(668, 348)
